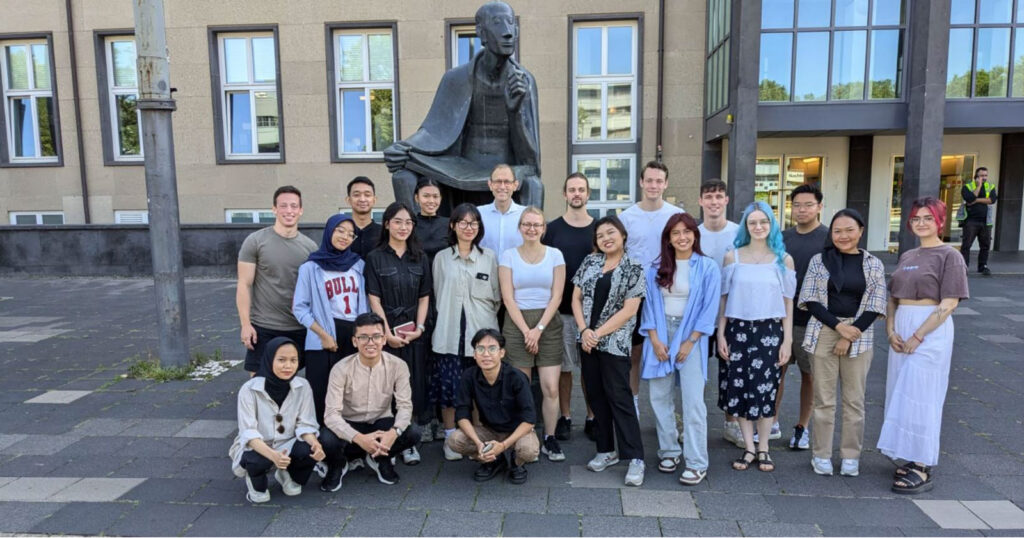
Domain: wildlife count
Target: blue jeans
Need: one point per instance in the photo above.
(690, 381)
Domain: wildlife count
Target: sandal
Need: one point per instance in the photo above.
(917, 480)
(668, 465)
(764, 462)
(692, 477)
(742, 464)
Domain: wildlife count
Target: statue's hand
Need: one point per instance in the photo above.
(395, 156)
(515, 88)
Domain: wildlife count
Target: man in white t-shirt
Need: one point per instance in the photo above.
(716, 238)
(644, 222)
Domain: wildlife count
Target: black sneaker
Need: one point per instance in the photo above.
(332, 481)
(588, 429)
(517, 474)
(985, 271)
(563, 430)
(489, 470)
(384, 468)
(552, 450)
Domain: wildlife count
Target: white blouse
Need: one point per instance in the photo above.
(257, 414)
(757, 290)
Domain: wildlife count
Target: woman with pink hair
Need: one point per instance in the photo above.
(928, 284)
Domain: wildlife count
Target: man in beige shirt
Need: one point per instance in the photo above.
(358, 423)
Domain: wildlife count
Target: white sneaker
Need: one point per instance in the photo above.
(254, 496)
(450, 454)
(776, 432)
(822, 466)
(733, 434)
(635, 474)
(291, 488)
(602, 461)
(850, 467)
(411, 456)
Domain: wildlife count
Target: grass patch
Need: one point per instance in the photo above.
(150, 368)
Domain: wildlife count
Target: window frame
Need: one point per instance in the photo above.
(868, 28)
(1015, 24)
(334, 87)
(221, 130)
(604, 80)
(717, 43)
(6, 142)
(605, 149)
(454, 27)
(13, 216)
(107, 95)
(602, 204)
(253, 213)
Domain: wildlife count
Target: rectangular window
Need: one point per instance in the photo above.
(612, 181)
(248, 96)
(982, 35)
(605, 82)
(249, 216)
(30, 218)
(131, 217)
(831, 50)
(122, 94)
(29, 105)
(716, 87)
(364, 95)
(465, 44)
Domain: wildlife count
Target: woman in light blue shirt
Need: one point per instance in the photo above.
(755, 328)
(683, 289)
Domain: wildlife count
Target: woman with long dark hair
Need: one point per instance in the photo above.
(926, 287)
(329, 295)
(608, 288)
(398, 288)
(844, 291)
(755, 328)
(466, 290)
(683, 290)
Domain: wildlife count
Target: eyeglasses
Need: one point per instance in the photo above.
(280, 419)
(531, 225)
(401, 222)
(503, 182)
(486, 350)
(364, 338)
(468, 225)
(806, 205)
(926, 219)
(345, 234)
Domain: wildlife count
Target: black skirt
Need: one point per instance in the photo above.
(751, 378)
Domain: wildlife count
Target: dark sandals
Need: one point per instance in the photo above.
(910, 481)
(742, 463)
(764, 462)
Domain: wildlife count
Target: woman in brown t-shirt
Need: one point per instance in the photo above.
(926, 287)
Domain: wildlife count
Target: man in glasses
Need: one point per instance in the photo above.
(501, 218)
(504, 403)
(358, 422)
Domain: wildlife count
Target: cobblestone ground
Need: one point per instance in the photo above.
(85, 451)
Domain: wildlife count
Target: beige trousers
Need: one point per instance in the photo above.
(851, 373)
(527, 447)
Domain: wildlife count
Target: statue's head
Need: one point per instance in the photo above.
(497, 29)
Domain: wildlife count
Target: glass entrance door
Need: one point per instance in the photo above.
(773, 183)
(955, 171)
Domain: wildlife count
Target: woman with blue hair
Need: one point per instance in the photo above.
(755, 328)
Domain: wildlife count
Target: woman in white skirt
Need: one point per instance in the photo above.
(926, 287)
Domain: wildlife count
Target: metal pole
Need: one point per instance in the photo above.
(155, 105)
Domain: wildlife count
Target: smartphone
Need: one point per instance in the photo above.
(487, 447)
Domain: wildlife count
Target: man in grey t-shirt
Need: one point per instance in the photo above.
(268, 265)
(803, 241)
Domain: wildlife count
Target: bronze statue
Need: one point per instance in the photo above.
(484, 113)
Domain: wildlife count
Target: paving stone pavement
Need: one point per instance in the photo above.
(85, 451)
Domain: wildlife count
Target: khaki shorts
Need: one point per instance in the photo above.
(549, 347)
(801, 357)
(570, 345)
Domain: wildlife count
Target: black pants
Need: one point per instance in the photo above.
(319, 363)
(258, 466)
(983, 232)
(264, 335)
(339, 451)
(611, 399)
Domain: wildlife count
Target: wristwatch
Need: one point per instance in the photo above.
(694, 340)
(399, 431)
(420, 327)
(540, 326)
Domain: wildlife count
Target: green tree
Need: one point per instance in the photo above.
(769, 90)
